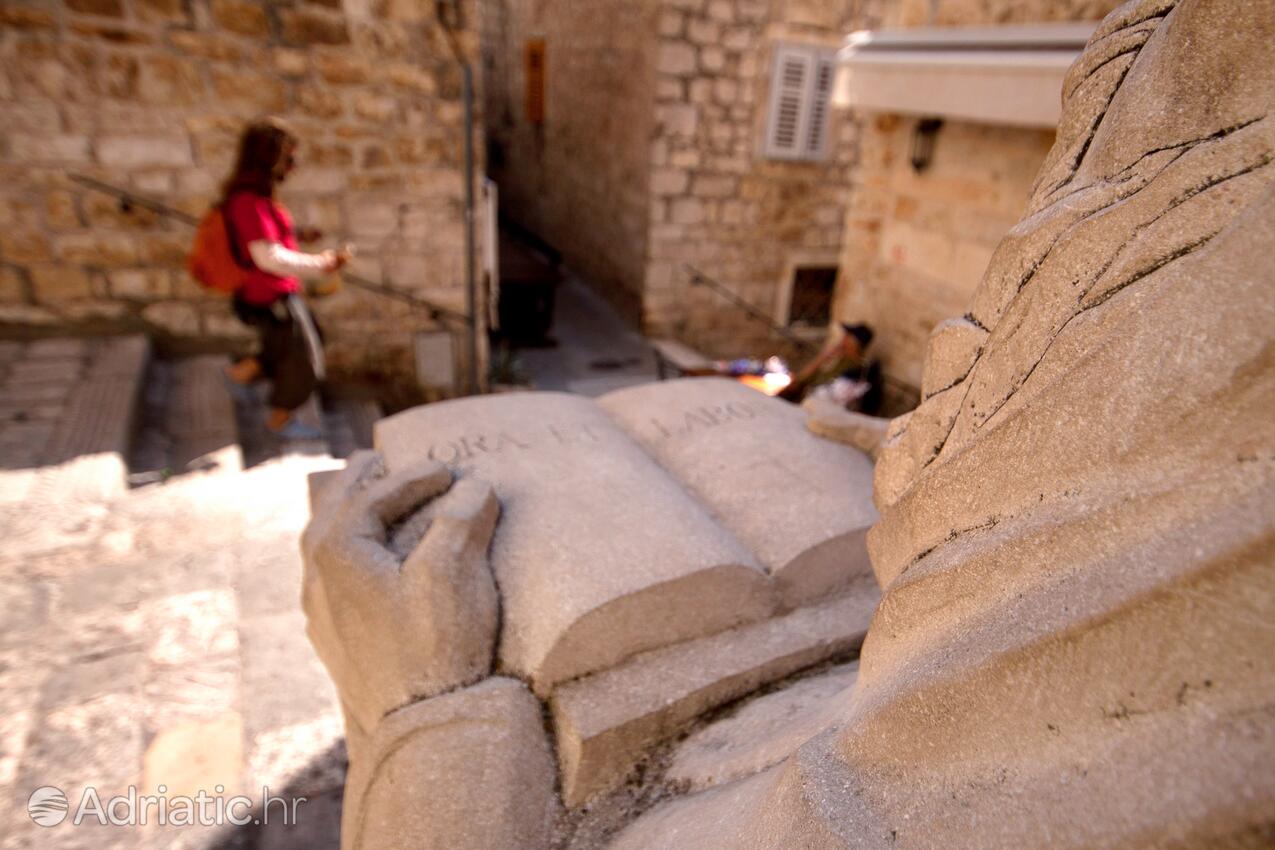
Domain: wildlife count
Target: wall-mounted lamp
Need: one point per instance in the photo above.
(927, 129)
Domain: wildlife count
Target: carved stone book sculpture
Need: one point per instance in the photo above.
(1076, 546)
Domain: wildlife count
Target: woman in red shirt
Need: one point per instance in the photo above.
(270, 300)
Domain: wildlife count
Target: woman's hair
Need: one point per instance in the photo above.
(263, 151)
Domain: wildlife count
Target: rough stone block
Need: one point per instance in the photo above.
(134, 151)
(676, 59)
(49, 148)
(21, 18)
(671, 23)
(687, 211)
(711, 186)
(721, 10)
(669, 181)
(105, 8)
(341, 68)
(138, 284)
(372, 219)
(170, 80)
(166, 250)
(101, 249)
(290, 62)
(174, 317)
(161, 11)
(672, 90)
(250, 89)
(608, 721)
(469, 769)
(305, 26)
(395, 626)
(700, 31)
(24, 246)
(54, 283)
(241, 16)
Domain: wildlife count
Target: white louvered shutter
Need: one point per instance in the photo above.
(800, 100)
(789, 102)
(820, 102)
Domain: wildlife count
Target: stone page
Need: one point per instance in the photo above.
(598, 553)
(801, 503)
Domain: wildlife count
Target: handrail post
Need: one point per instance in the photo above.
(471, 279)
(448, 13)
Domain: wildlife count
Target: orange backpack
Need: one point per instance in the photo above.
(214, 258)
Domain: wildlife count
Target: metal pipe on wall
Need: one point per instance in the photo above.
(449, 18)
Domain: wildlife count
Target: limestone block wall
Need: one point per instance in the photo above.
(578, 180)
(717, 202)
(916, 244)
(649, 157)
(151, 94)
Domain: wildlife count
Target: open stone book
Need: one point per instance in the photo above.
(653, 515)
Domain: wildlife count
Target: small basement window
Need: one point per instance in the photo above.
(800, 98)
(811, 303)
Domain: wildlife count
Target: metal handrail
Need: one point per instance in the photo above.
(698, 278)
(129, 199)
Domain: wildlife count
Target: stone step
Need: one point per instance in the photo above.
(763, 732)
(87, 452)
(201, 417)
(606, 722)
(347, 422)
(345, 417)
(187, 421)
(259, 445)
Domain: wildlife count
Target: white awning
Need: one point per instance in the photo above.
(996, 75)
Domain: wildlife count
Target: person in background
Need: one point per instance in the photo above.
(270, 300)
(841, 372)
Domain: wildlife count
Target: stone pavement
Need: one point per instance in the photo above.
(156, 638)
(597, 351)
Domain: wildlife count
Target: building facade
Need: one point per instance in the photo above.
(646, 139)
(150, 95)
(917, 241)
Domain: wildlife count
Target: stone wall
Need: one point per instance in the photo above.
(649, 158)
(917, 244)
(150, 95)
(717, 202)
(579, 180)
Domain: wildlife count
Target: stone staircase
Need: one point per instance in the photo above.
(189, 421)
(150, 628)
(96, 416)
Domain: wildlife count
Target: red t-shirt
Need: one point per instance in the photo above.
(252, 218)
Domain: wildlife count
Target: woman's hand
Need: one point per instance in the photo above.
(337, 260)
(343, 257)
